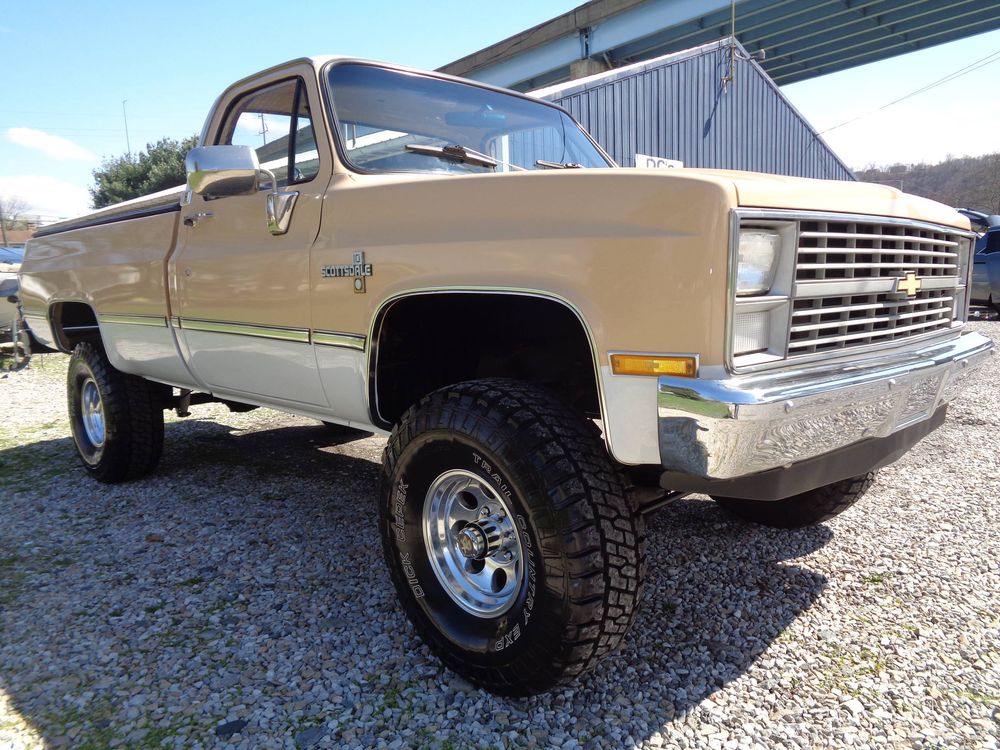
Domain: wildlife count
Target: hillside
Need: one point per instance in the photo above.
(967, 181)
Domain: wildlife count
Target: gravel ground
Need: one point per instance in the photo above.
(237, 598)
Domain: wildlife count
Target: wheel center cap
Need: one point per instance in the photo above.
(472, 542)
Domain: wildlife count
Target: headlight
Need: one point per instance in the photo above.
(758, 257)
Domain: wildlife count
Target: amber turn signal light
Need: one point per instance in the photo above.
(642, 364)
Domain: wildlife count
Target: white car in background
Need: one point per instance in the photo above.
(10, 263)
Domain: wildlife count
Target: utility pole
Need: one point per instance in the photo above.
(128, 143)
(3, 224)
(263, 128)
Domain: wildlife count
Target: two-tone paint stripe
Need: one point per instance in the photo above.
(157, 321)
(337, 339)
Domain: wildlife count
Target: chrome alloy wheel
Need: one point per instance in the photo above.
(472, 543)
(92, 413)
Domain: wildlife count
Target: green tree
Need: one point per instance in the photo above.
(159, 167)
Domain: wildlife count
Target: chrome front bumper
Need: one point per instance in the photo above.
(745, 425)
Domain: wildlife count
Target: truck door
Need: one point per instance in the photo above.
(241, 292)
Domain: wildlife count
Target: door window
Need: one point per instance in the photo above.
(276, 123)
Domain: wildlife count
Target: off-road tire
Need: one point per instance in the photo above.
(584, 545)
(806, 509)
(133, 418)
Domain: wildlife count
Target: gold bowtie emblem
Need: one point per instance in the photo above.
(908, 285)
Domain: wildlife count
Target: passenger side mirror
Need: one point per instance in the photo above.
(221, 171)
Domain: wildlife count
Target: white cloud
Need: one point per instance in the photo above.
(46, 196)
(51, 145)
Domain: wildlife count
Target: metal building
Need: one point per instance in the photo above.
(711, 106)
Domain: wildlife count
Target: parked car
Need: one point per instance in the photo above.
(10, 264)
(986, 270)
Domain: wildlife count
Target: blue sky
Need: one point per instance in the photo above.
(73, 63)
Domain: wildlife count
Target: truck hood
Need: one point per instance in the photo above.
(759, 190)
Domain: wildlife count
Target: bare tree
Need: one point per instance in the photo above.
(12, 209)
(966, 181)
(991, 186)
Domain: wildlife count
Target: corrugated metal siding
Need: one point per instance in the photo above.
(679, 108)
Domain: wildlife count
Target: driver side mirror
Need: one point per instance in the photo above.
(221, 171)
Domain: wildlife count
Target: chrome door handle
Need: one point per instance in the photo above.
(191, 219)
(279, 211)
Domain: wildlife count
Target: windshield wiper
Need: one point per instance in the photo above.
(454, 153)
(557, 164)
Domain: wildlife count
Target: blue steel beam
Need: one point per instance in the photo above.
(802, 39)
(623, 28)
(558, 54)
(868, 30)
(555, 55)
(879, 41)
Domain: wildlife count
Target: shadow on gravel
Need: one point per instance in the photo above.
(719, 591)
(240, 591)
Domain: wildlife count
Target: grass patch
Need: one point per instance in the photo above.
(875, 578)
(977, 697)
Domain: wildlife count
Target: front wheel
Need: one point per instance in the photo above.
(116, 419)
(507, 535)
(805, 509)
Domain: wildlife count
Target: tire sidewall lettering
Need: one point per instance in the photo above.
(418, 466)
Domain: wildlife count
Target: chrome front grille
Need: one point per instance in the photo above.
(864, 250)
(847, 285)
(846, 276)
(842, 321)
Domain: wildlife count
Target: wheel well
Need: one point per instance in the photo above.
(425, 342)
(72, 323)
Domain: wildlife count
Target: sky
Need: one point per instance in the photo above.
(73, 67)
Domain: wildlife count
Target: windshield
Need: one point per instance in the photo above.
(381, 112)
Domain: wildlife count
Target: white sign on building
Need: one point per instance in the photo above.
(645, 161)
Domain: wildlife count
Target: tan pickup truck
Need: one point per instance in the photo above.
(553, 345)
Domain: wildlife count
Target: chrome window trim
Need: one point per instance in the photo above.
(338, 339)
(333, 120)
(739, 215)
(156, 321)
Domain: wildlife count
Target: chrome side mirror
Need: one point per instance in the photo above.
(221, 171)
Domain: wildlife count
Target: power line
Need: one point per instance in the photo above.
(973, 66)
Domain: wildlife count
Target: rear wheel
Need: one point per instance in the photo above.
(116, 419)
(507, 535)
(806, 509)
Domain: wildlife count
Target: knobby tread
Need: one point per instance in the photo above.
(806, 509)
(586, 491)
(133, 414)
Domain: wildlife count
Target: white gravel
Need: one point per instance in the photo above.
(238, 598)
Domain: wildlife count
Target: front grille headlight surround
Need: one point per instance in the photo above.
(762, 262)
(758, 252)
